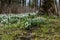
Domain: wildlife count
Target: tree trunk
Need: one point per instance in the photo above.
(48, 7)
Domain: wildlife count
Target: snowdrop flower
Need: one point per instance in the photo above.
(3, 20)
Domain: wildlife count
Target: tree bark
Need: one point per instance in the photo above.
(48, 7)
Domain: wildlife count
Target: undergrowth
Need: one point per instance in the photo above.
(40, 28)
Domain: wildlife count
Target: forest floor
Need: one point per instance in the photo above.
(49, 31)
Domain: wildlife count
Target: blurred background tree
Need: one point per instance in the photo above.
(48, 7)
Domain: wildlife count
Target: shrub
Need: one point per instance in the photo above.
(38, 21)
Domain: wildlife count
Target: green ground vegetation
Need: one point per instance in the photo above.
(29, 27)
